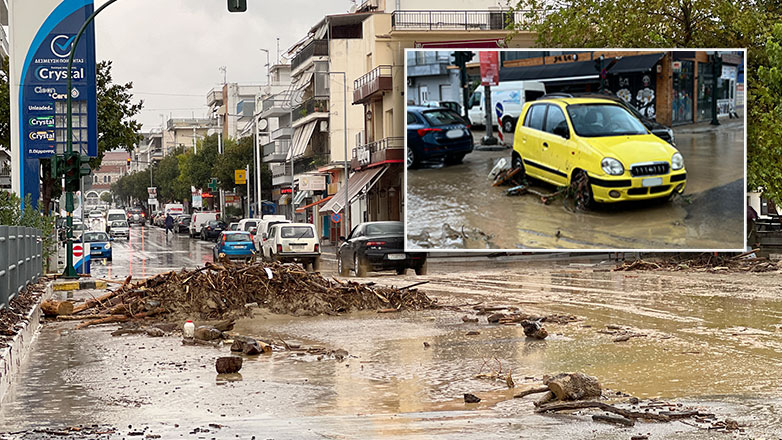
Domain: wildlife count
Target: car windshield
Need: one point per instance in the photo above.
(248, 225)
(237, 237)
(95, 236)
(384, 229)
(116, 217)
(296, 232)
(442, 117)
(597, 120)
(119, 224)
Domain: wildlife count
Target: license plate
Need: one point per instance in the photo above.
(297, 244)
(96, 253)
(237, 247)
(397, 256)
(454, 134)
(654, 181)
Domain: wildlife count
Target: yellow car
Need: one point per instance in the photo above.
(598, 147)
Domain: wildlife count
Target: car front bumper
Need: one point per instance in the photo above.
(620, 188)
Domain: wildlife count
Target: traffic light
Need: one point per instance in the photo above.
(84, 166)
(71, 171)
(128, 163)
(461, 58)
(237, 5)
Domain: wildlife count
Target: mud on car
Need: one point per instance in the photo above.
(599, 148)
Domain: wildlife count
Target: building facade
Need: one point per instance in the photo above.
(113, 166)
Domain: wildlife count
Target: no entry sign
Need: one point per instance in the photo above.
(78, 251)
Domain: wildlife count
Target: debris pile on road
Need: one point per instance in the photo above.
(704, 262)
(14, 316)
(215, 291)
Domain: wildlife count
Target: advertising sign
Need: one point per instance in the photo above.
(312, 183)
(42, 35)
(490, 67)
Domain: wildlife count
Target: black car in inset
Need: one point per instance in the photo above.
(375, 246)
(436, 133)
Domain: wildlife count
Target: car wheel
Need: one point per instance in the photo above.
(421, 270)
(343, 271)
(359, 266)
(508, 125)
(401, 270)
(582, 190)
(412, 158)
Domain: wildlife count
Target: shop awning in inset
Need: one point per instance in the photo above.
(636, 63)
(356, 183)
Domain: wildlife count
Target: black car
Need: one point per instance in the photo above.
(661, 131)
(182, 223)
(375, 246)
(212, 229)
(137, 216)
(436, 133)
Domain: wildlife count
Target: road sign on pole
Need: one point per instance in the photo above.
(336, 217)
(240, 177)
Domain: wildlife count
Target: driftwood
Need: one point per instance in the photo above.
(583, 404)
(51, 307)
(616, 420)
(90, 303)
(531, 391)
(120, 318)
(81, 317)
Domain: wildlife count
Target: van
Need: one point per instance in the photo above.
(263, 230)
(249, 225)
(199, 219)
(174, 209)
(511, 95)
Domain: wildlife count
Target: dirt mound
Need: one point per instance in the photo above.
(215, 291)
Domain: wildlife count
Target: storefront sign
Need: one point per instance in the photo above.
(312, 183)
(677, 66)
(490, 67)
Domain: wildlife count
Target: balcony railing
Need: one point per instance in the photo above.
(316, 48)
(314, 105)
(462, 20)
(276, 151)
(390, 149)
(377, 80)
(282, 133)
(275, 102)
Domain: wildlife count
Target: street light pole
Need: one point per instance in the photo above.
(345, 146)
(268, 68)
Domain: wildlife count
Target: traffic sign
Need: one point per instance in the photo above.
(240, 177)
(500, 110)
(336, 217)
(78, 251)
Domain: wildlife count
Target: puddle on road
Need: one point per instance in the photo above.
(703, 345)
(461, 195)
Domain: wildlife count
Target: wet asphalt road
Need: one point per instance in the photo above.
(709, 216)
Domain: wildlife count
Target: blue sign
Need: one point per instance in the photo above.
(43, 91)
(336, 217)
(500, 110)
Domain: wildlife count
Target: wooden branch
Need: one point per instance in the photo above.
(530, 391)
(51, 307)
(107, 320)
(582, 404)
(90, 303)
(80, 317)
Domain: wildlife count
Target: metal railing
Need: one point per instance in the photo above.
(21, 260)
(463, 20)
(315, 48)
(389, 143)
(377, 72)
(313, 105)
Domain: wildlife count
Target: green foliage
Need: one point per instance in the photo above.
(5, 108)
(12, 214)
(106, 197)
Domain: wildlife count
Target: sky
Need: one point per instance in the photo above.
(172, 49)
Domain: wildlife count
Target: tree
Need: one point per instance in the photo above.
(106, 197)
(685, 23)
(5, 108)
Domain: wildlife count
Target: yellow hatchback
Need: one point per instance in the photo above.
(598, 147)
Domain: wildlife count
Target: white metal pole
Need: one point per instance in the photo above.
(257, 170)
(247, 174)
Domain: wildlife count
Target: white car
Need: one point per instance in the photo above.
(199, 219)
(119, 228)
(287, 242)
(263, 231)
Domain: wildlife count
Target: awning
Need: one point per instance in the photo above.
(301, 137)
(303, 80)
(636, 63)
(550, 71)
(304, 208)
(300, 196)
(284, 199)
(356, 183)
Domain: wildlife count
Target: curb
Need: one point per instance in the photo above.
(60, 286)
(11, 357)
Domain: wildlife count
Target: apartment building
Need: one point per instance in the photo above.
(232, 106)
(185, 132)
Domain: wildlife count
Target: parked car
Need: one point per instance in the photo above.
(234, 245)
(599, 145)
(294, 242)
(199, 219)
(182, 223)
(120, 228)
(212, 229)
(137, 216)
(375, 246)
(450, 105)
(159, 220)
(100, 244)
(233, 226)
(249, 225)
(263, 231)
(436, 133)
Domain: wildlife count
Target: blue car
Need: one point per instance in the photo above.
(436, 133)
(99, 243)
(234, 245)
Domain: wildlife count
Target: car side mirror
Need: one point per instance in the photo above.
(562, 131)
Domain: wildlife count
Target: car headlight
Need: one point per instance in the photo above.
(677, 161)
(108, 245)
(612, 166)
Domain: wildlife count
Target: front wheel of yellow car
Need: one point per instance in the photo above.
(516, 162)
(582, 190)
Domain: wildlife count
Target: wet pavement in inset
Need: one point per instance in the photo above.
(710, 340)
(709, 216)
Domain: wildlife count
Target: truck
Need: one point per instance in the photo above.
(174, 209)
(511, 95)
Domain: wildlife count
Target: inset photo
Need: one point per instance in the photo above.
(576, 150)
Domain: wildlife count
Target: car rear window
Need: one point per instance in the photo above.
(248, 225)
(116, 217)
(534, 118)
(442, 117)
(411, 119)
(119, 224)
(383, 229)
(296, 232)
(237, 237)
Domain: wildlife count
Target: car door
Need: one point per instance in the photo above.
(528, 144)
(413, 124)
(556, 145)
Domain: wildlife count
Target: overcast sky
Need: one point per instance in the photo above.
(175, 47)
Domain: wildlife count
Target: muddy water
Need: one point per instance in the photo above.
(461, 195)
(710, 340)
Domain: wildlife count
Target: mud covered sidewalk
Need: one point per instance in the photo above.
(707, 340)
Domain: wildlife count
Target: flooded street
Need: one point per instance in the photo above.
(461, 196)
(713, 341)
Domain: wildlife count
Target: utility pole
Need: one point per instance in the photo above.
(716, 67)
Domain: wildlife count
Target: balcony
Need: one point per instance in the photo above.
(275, 106)
(310, 109)
(427, 69)
(214, 97)
(386, 150)
(282, 133)
(454, 20)
(374, 83)
(281, 174)
(316, 48)
(276, 151)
